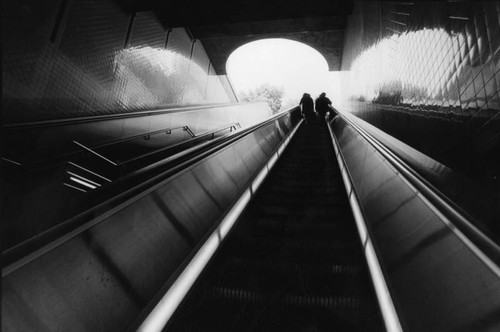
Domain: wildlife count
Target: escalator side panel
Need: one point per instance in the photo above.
(102, 277)
(439, 281)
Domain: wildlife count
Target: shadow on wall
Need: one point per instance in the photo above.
(84, 58)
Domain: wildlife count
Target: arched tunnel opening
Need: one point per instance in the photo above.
(161, 170)
(289, 67)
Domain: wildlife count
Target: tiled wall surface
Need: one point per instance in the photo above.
(81, 58)
(433, 63)
(439, 55)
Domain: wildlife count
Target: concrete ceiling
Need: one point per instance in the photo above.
(224, 25)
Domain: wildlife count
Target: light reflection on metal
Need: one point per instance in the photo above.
(83, 183)
(84, 179)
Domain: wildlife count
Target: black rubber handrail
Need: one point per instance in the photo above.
(458, 217)
(56, 122)
(140, 181)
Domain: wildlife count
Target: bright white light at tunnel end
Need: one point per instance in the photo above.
(291, 65)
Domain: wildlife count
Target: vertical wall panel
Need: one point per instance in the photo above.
(82, 57)
(147, 31)
(179, 42)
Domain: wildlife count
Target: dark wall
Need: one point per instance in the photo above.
(72, 58)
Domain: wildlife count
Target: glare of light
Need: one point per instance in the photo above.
(170, 78)
(287, 64)
(83, 183)
(410, 60)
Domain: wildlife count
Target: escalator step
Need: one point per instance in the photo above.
(294, 225)
(295, 249)
(273, 210)
(294, 188)
(331, 303)
(252, 274)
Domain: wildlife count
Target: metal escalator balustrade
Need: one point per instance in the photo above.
(102, 274)
(441, 271)
(93, 179)
(294, 261)
(130, 154)
(44, 169)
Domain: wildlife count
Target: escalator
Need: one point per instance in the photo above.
(293, 261)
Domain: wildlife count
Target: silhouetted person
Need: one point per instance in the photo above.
(307, 107)
(322, 103)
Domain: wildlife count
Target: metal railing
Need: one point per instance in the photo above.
(457, 216)
(114, 194)
(82, 183)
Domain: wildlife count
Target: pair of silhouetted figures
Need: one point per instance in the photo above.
(322, 107)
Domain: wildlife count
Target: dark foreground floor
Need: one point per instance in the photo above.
(293, 262)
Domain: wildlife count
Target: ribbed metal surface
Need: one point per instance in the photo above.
(293, 261)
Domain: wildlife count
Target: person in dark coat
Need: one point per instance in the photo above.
(307, 104)
(322, 105)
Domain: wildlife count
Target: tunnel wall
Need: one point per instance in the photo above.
(81, 58)
(103, 274)
(434, 81)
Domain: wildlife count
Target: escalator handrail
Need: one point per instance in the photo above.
(386, 304)
(30, 249)
(37, 163)
(95, 118)
(194, 138)
(482, 246)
